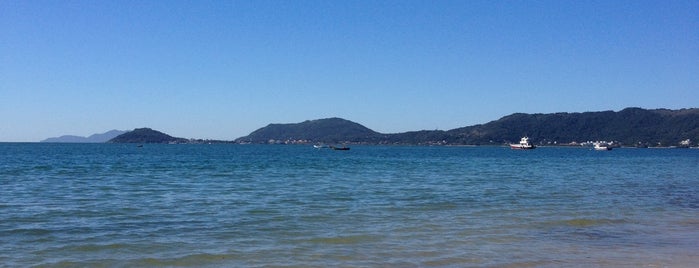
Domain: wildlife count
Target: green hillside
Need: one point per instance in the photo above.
(631, 127)
(146, 135)
(329, 130)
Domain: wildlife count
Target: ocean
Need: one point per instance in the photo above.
(224, 205)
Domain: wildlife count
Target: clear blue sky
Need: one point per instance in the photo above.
(221, 69)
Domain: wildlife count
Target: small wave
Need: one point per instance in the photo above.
(584, 222)
(193, 260)
(28, 232)
(263, 211)
(588, 230)
(453, 262)
(344, 240)
(688, 222)
(98, 247)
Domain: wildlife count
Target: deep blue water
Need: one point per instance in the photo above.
(296, 206)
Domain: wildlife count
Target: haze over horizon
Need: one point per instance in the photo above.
(220, 70)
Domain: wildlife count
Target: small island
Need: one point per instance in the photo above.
(146, 135)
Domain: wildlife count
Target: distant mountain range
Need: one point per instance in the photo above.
(94, 138)
(630, 127)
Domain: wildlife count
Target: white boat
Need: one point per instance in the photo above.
(523, 144)
(320, 146)
(602, 146)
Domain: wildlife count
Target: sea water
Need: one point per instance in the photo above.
(97, 205)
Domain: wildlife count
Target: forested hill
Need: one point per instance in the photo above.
(146, 135)
(631, 127)
(329, 130)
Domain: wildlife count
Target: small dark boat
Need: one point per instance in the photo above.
(343, 148)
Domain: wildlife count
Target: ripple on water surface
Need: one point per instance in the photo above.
(230, 205)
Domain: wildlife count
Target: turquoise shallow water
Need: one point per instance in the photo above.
(95, 205)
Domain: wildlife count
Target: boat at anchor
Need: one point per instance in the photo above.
(343, 148)
(522, 145)
(599, 146)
